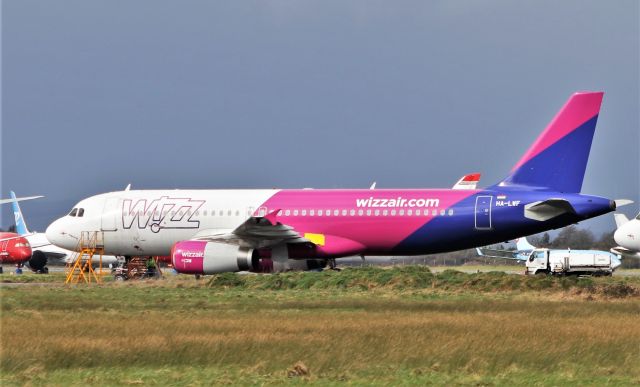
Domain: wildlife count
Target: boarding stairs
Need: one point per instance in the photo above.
(80, 267)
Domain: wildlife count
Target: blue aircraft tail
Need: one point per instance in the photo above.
(21, 226)
(558, 158)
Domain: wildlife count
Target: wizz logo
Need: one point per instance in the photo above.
(164, 212)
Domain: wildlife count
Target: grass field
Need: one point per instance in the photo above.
(361, 326)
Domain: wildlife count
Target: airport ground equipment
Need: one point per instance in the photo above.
(570, 262)
(80, 267)
(137, 268)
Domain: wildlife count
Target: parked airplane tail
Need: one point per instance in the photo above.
(21, 226)
(558, 158)
(620, 219)
(522, 244)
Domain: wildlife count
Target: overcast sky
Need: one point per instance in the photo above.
(325, 94)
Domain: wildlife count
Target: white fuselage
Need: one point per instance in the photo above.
(627, 236)
(149, 222)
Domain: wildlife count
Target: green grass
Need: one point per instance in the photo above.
(399, 326)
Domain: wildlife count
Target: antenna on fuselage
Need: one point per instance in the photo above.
(373, 186)
(128, 187)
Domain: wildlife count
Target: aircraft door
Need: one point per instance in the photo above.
(483, 212)
(110, 214)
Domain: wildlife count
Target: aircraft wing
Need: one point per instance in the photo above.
(255, 232)
(625, 252)
(512, 255)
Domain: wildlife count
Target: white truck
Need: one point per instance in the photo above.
(571, 262)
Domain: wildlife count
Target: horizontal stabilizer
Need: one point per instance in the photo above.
(548, 209)
(4, 201)
(622, 202)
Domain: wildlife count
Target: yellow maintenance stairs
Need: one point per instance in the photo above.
(80, 268)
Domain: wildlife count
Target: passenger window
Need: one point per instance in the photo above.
(303, 212)
(73, 212)
(312, 212)
(393, 212)
(352, 212)
(401, 212)
(360, 212)
(442, 212)
(221, 213)
(377, 212)
(80, 212)
(368, 212)
(228, 212)
(434, 212)
(385, 212)
(450, 212)
(336, 212)
(344, 212)
(409, 212)
(287, 212)
(295, 212)
(319, 212)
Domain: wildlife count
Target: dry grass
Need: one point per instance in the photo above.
(363, 336)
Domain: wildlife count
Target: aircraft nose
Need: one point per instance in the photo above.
(56, 234)
(618, 236)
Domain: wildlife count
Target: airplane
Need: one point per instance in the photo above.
(14, 248)
(627, 236)
(43, 250)
(214, 231)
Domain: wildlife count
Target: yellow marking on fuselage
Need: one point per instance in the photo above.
(317, 239)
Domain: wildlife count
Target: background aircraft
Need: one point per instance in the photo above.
(211, 231)
(521, 253)
(14, 248)
(627, 236)
(43, 250)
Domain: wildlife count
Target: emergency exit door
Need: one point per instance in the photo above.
(483, 212)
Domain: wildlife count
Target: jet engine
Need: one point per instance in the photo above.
(38, 262)
(201, 257)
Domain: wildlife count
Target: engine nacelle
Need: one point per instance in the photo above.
(201, 257)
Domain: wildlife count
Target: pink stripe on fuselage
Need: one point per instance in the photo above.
(580, 108)
(378, 233)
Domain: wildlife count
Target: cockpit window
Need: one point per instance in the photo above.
(80, 212)
(73, 212)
